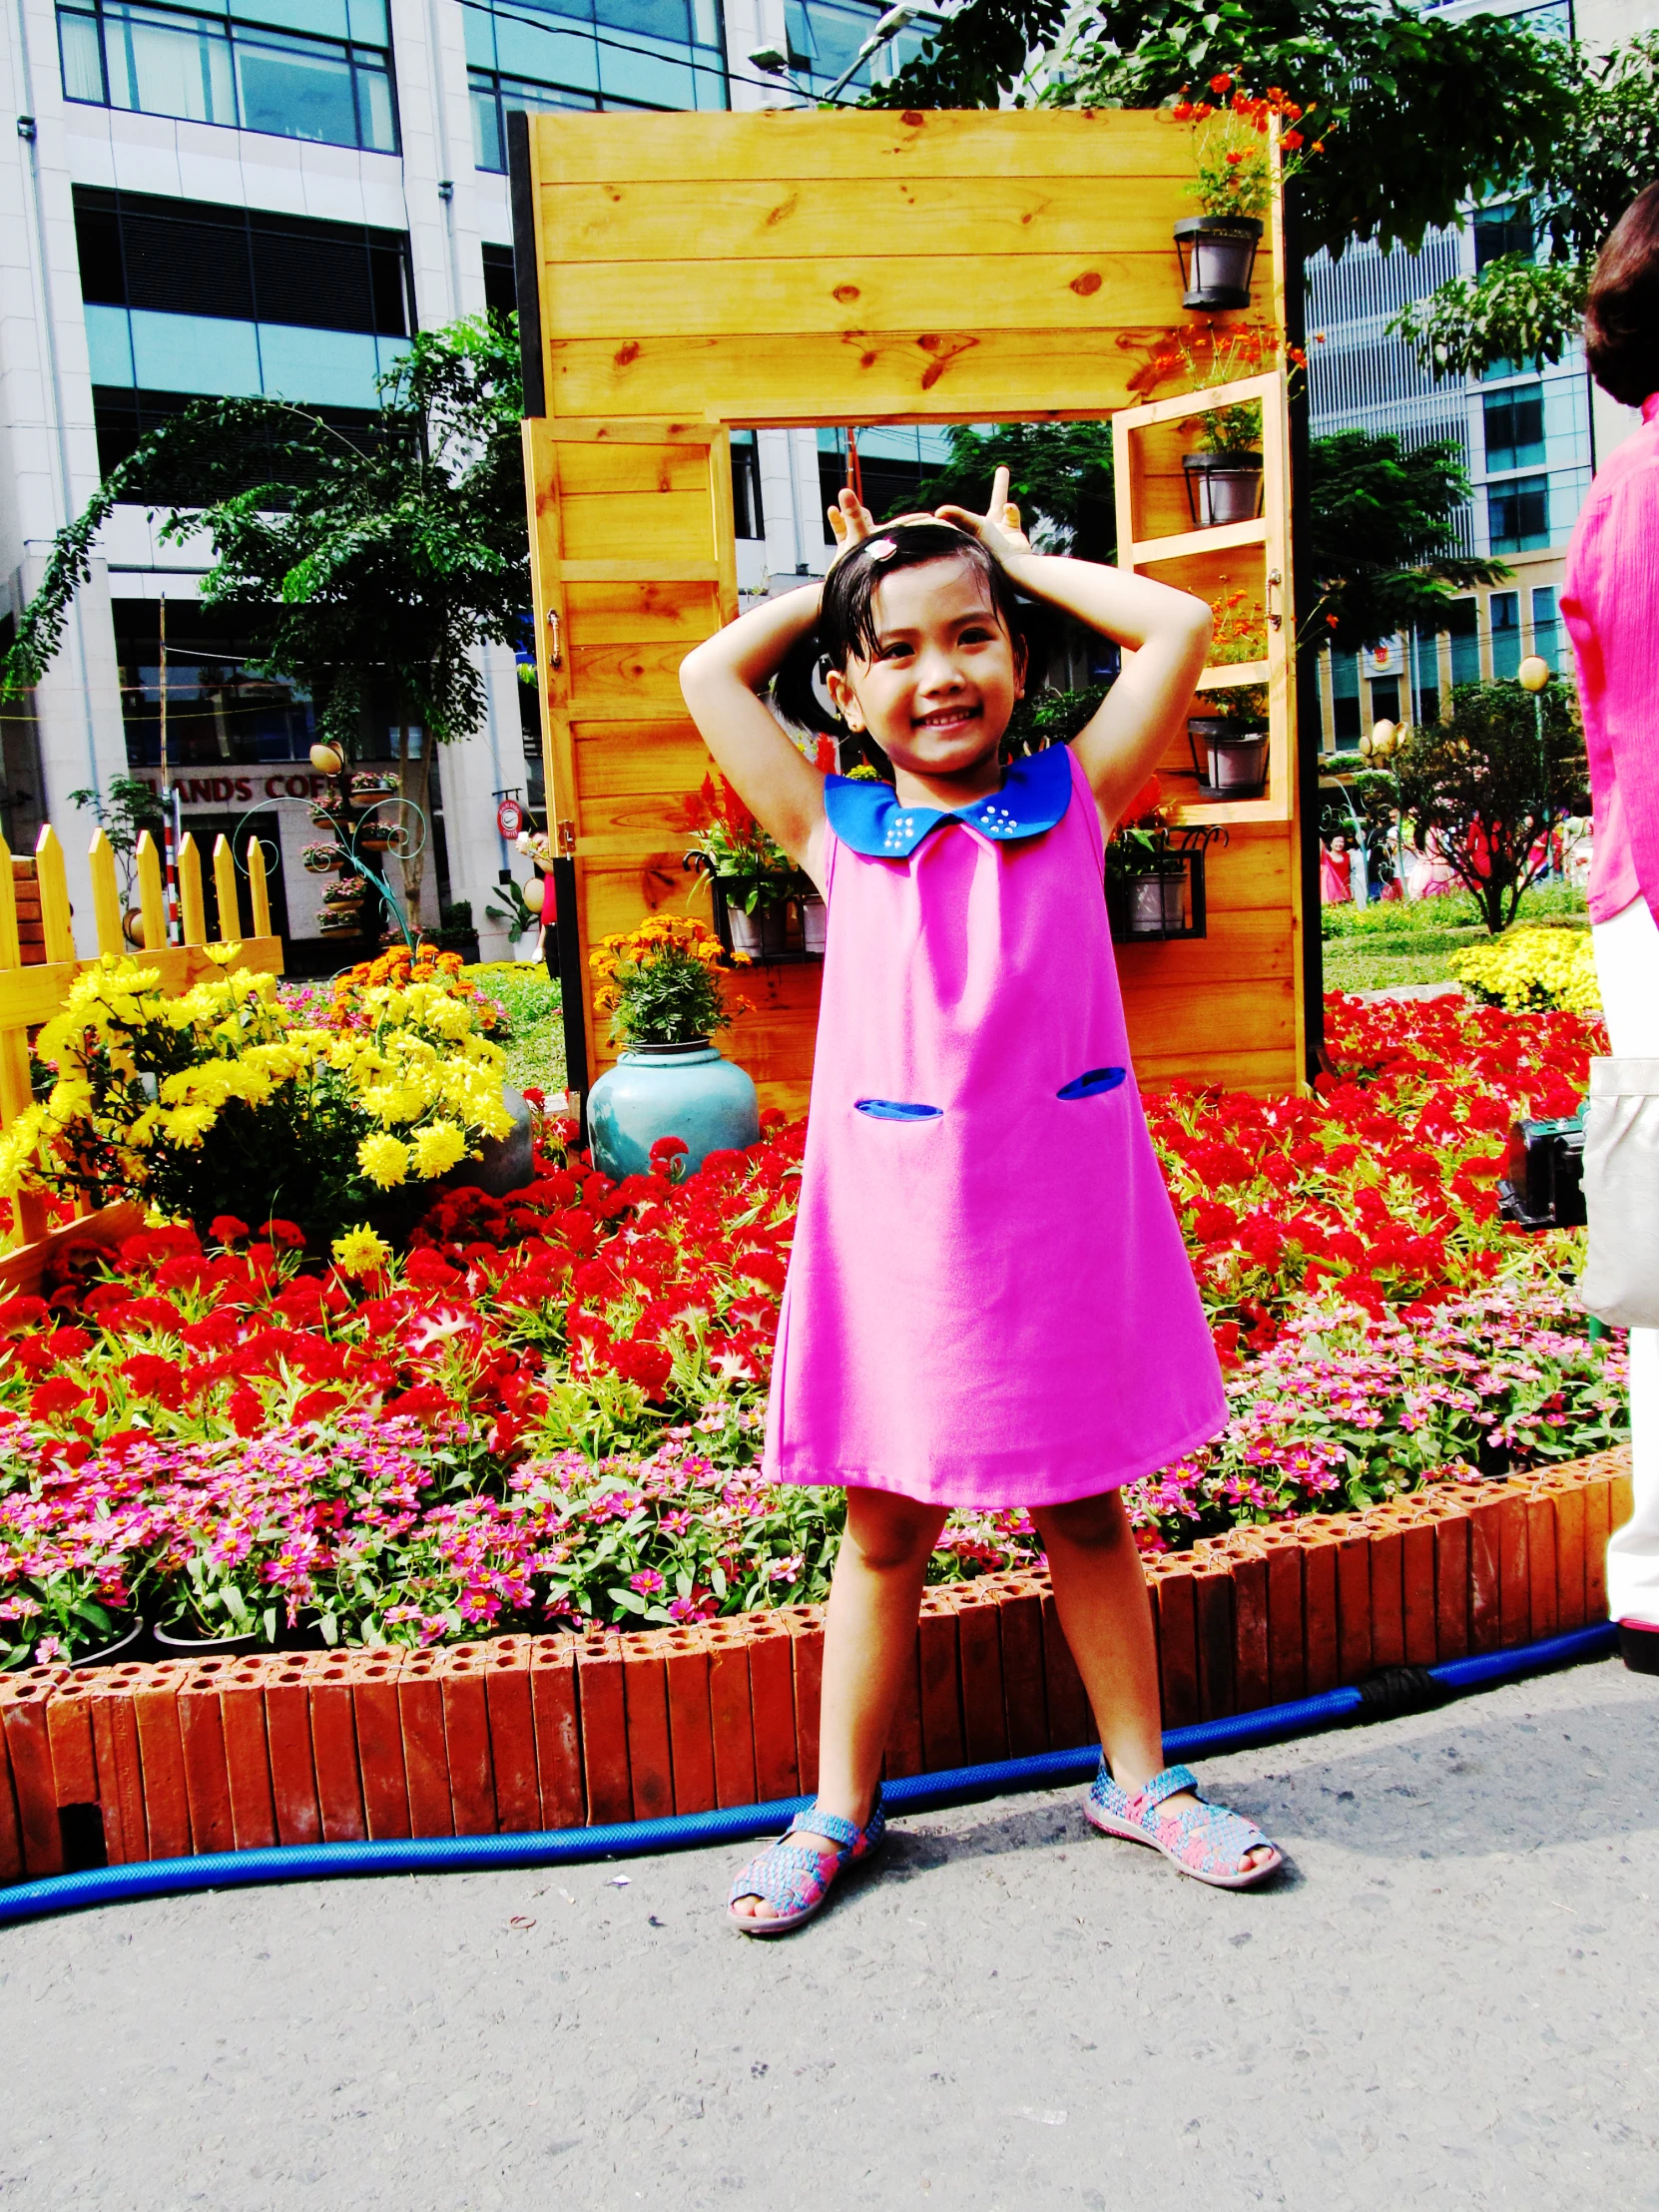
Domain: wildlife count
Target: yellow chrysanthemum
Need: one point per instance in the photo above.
(438, 1147)
(383, 1159)
(360, 1251)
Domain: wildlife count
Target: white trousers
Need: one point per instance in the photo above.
(1627, 964)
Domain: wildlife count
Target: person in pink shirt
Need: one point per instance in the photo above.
(1610, 601)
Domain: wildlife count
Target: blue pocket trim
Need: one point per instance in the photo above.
(896, 1109)
(1092, 1082)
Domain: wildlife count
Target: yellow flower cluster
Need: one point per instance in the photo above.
(679, 939)
(1530, 967)
(413, 1062)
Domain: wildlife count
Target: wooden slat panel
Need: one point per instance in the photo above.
(193, 912)
(951, 376)
(776, 142)
(628, 757)
(631, 469)
(258, 893)
(106, 895)
(1270, 1074)
(860, 293)
(640, 614)
(57, 934)
(763, 217)
(599, 526)
(33, 994)
(151, 906)
(1249, 1016)
(630, 680)
(225, 891)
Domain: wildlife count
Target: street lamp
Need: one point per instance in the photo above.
(1534, 674)
(772, 63)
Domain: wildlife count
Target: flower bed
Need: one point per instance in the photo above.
(549, 1412)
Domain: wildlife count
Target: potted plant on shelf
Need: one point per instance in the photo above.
(1232, 145)
(757, 882)
(662, 985)
(1146, 879)
(1224, 477)
(1229, 741)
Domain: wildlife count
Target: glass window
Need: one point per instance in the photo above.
(224, 70)
(1518, 514)
(1344, 699)
(1515, 428)
(1425, 675)
(1500, 230)
(539, 53)
(1464, 626)
(1385, 699)
(825, 35)
(1546, 640)
(1504, 607)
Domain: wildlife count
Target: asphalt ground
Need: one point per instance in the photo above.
(1450, 1997)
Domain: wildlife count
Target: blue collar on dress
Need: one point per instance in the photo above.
(1035, 793)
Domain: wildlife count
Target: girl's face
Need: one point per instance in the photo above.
(946, 675)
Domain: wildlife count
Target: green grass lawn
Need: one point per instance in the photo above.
(1373, 948)
(536, 1046)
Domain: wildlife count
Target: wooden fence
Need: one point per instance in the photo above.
(38, 963)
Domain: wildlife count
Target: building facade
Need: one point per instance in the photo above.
(270, 197)
(1528, 434)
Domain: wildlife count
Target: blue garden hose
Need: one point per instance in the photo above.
(920, 1793)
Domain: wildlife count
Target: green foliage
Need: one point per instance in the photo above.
(1430, 112)
(1059, 476)
(1385, 538)
(1364, 811)
(1608, 150)
(367, 570)
(1048, 718)
(1516, 310)
(1494, 777)
(124, 813)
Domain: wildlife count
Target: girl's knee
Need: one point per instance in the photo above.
(888, 1532)
(1086, 1523)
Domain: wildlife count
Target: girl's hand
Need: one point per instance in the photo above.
(851, 520)
(997, 529)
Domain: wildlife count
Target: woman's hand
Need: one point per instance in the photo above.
(851, 520)
(997, 529)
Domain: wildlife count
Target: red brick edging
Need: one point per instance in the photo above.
(533, 1732)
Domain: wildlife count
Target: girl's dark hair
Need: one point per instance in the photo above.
(846, 627)
(1621, 316)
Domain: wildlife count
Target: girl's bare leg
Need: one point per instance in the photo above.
(1101, 1593)
(868, 1640)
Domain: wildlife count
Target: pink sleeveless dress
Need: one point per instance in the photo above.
(989, 1299)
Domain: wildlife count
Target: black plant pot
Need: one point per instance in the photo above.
(172, 1643)
(1218, 257)
(508, 1162)
(1223, 487)
(1231, 763)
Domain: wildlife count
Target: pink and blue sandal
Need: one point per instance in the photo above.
(793, 1877)
(1206, 1841)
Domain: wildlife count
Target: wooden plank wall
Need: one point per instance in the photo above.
(797, 268)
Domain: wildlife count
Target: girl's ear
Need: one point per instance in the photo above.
(846, 699)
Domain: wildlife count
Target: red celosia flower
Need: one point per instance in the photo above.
(59, 1395)
(225, 1228)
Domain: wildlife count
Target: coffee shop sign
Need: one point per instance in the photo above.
(242, 790)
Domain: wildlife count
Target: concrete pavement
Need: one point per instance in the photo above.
(1451, 1999)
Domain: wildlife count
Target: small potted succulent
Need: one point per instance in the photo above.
(1228, 743)
(1233, 186)
(664, 988)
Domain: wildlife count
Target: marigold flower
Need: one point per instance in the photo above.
(383, 1159)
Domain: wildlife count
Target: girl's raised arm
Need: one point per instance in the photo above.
(722, 679)
(1165, 632)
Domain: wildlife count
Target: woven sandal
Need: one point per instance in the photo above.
(1206, 1841)
(793, 1877)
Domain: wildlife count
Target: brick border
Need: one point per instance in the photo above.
(522, 1732)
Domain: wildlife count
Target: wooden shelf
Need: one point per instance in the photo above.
(1232, 673)
(1221, 538)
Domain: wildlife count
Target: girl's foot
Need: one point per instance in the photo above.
(1202, 1840)
(789, 1882)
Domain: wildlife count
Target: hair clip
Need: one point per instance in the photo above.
(880, 549)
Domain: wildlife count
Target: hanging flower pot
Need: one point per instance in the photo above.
(1218, 258)
(1222, 487)
(1157, 905)
(745, 929)
(319, 859)
(375, 783)
(1231, 763)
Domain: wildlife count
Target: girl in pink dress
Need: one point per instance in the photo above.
(988, 1301)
